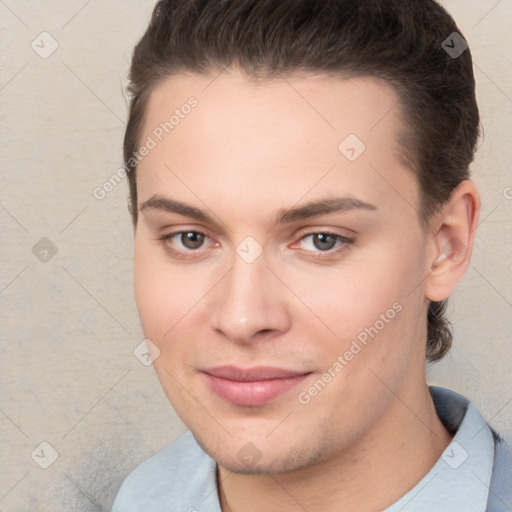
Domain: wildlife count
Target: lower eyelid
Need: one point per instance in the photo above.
(209, 243)
(171, 247)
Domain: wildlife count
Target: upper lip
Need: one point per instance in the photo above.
(256, 373)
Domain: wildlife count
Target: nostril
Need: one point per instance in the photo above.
(264, 331)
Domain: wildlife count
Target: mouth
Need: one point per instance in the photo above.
(251, 387)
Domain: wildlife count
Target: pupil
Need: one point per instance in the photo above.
(192, 240)
(324, 241)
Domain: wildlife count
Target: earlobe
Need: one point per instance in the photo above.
(453, 241)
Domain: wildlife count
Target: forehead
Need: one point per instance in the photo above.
(286, 135)
(317, 105)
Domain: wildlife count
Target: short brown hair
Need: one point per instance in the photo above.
(400, 41)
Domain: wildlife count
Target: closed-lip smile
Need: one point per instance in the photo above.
(253, 386)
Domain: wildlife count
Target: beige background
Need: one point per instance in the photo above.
(68, 375)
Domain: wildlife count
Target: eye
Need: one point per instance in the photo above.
(323, 242)
(190, 239)
(182, 242)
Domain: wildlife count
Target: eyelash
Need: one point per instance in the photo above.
(345, 242)
(178, 252)
(192, 253)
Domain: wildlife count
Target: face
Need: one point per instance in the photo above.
(278, 263)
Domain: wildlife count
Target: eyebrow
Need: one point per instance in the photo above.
(158, 202)
(323, 207)
(308, 210)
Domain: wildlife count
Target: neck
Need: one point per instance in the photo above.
(377, 470)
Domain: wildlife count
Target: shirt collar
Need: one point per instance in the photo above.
(460, 479)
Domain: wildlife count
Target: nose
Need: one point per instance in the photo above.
(250, 303)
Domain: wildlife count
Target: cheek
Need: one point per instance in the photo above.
(367, 300)
(162, 305)
(347, 299)
(147, 288)
(157, 293)
(169, 298)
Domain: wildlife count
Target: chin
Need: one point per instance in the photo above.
(251, 460)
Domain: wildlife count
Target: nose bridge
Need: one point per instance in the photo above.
(248, 302)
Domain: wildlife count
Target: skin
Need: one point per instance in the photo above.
(244, 154)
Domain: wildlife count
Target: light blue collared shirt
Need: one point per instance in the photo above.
(182, 477)
(461, 477)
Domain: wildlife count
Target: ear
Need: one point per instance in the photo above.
(452, 240)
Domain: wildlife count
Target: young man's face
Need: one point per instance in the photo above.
(332, 302)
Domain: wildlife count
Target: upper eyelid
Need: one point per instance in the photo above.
(323, 232)
(175, 233)
(171, 234)
(300, 237)
(342, 238)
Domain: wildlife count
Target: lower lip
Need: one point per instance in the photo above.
(254, 393)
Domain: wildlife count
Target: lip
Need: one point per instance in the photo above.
(251, 387)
